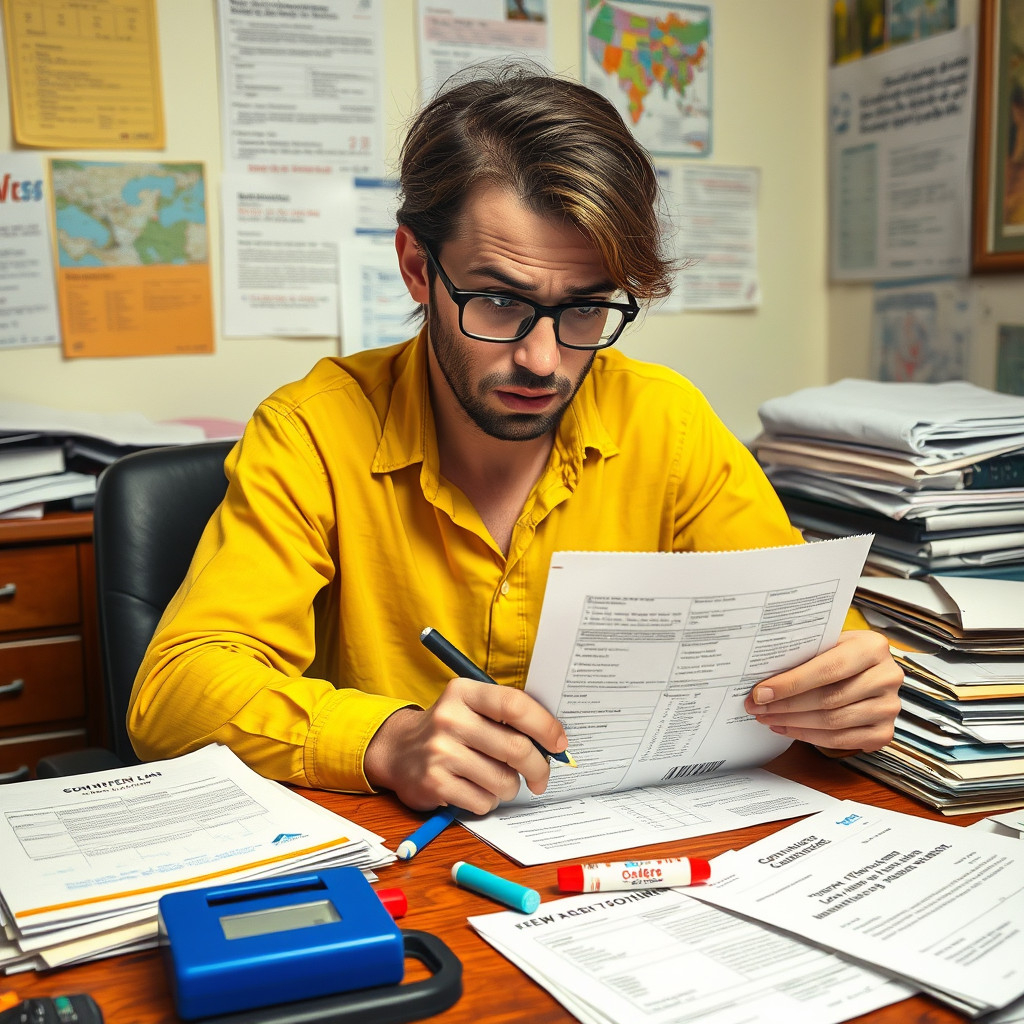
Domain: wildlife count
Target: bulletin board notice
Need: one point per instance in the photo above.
(84, 75)
(132, 253)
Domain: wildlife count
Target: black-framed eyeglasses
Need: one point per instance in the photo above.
(491, 316)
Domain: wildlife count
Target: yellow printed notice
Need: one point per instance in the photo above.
(133, 273)
(84, 73)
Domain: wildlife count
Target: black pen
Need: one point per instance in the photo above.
(465, 669)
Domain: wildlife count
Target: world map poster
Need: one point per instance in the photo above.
(653, 62)
(133, 271)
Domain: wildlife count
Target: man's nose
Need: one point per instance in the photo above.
(537, 350)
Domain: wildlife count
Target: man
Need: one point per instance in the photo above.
(428, 484)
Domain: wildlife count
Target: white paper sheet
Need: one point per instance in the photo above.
(280, 255)
(713, 215)
(456, 34)
(657, 957)
(930, 902)
(646, 659)
(592, 825)
(84, 847)
(900, 160)
(302, 86)
(28, 298)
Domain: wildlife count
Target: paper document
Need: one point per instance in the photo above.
(85, 76)
(900, 160)
(931, 903)
(646, 659)
(93, 853)
(592, 825)
(938, 422)
(659, 957)
(302, 86)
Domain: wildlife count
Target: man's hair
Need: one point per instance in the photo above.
(560, 147)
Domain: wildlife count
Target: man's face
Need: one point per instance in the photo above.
(514, 391)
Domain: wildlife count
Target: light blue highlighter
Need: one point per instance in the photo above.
(518, 897)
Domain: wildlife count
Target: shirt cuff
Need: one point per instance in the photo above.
(338, 738)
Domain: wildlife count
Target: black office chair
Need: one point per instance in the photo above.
(151, 508)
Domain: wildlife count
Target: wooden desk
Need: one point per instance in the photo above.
(132, 989)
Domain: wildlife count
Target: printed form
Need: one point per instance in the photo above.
(90, 855)
(934, 904)
(646, 660)
(660, 957)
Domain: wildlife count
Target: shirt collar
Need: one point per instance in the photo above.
(409, 435)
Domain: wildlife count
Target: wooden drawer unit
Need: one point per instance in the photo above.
(51, 694)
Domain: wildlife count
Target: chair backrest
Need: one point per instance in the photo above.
(151, 508)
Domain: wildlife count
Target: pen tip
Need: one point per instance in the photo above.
(426, 631)
(570, 760)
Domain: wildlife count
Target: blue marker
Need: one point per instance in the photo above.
(430, 829)
(518, 897)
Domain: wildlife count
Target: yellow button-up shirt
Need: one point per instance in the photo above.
(295, 633)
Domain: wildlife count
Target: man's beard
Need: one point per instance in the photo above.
(505, 426)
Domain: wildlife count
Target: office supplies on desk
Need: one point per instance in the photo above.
(76, 1009)
(115, 841)
(252, 944)
(430, 829)
(519, 897)
(451, 656)
(318, 946)
(633, 874)
(394, 900)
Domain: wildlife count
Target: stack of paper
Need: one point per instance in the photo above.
(660, 957)
(935, 471)
(959, 743)
(86, 858)
(51, 455)
(927, 903)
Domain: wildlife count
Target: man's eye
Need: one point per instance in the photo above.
(502, 301)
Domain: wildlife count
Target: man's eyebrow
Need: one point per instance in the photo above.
(498, 275)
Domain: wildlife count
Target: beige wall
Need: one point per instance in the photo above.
(996, 299)
(769, 102)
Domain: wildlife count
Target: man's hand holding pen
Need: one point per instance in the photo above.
(468, 749)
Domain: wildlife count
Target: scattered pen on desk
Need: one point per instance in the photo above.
(513, 895)
(451, 656)
(430, 829)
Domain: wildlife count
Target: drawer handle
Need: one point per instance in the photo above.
(13, 688)
(18, 775)
(8, 590)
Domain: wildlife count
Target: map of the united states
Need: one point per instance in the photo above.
(644, 53)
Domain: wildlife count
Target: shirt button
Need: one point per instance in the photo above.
(504, 588)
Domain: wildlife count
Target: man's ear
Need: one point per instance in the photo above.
(413, 265)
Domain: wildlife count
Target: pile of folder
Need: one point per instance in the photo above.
(51, 458)
(934, 471)
(87, 858)
(959, 738)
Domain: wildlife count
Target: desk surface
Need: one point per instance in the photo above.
(132, 989)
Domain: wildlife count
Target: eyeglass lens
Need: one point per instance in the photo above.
(501, 318)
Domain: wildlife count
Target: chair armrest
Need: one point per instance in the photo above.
(77, 762)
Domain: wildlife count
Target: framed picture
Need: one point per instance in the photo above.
(998, 232)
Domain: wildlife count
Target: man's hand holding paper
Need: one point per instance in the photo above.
(843, 699)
